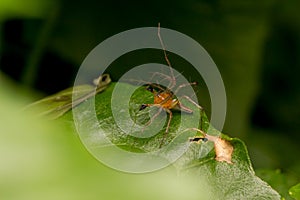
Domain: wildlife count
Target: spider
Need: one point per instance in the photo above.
(164, 98)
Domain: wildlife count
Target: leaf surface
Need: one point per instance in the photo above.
(225, 180)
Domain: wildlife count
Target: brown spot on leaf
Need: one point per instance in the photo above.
(223, 148)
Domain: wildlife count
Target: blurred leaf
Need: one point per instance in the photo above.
(295, 191)
(45, 160)
(58, 104)
(226, 181)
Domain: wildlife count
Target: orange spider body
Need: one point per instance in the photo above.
(165, 101)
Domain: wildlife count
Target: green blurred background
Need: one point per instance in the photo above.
(255, 44)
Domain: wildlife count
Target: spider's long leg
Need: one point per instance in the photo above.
(173, 83)
(154, 116)
(170, 119)
(192, 101)
(164, 77)
(168, 126)
(197, 105)
(184, 108)
(184, 85)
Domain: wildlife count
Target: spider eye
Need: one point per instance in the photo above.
(150, 88)
(103, 79)
(143, 106)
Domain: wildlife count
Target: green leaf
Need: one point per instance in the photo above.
(231, 181)
(224, 180)
(295, 191)
(278, 180)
